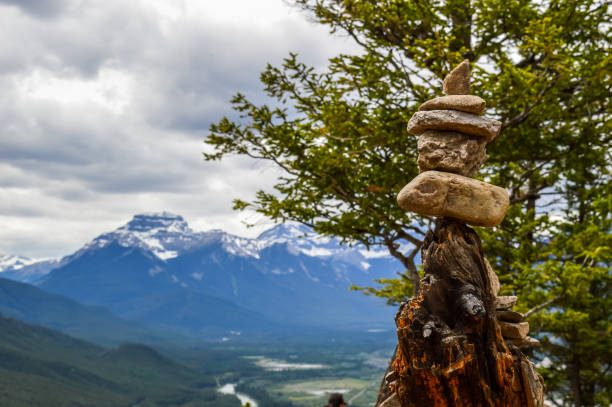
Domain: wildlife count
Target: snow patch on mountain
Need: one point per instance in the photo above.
(8, 261)
(165, 254)
(317, 251)
(25, 269)
(155, 270)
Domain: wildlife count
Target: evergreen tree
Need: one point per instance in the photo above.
(544, 68)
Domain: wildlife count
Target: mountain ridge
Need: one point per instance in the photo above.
(156, 270)
(32, 305)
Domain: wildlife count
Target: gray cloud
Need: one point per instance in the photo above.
(105, 106)
(40, 8)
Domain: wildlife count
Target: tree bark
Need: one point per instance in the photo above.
(450, 349)
(576, 385)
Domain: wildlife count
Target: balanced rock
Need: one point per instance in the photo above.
(457, 82)
(509, 316)
(505, 301)
(464, 103)
(495, 286)
(441, 194)
(526, 342)
(451, 151)
(453, 120)
(514, 330)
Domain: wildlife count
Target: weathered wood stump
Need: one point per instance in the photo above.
(450, 348)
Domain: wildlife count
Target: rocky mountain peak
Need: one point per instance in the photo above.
(157, 220)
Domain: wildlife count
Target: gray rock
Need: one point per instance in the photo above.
(457, 82)
(505, 301)
(509, 316)
(453, 120)
(514, 330)
(464, 103)
(451, 151)
(527, 342)
(442, 194)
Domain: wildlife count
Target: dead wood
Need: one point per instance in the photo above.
(450, 348)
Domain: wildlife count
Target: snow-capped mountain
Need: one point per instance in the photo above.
(14, 262)
(25, 269)
(304, 240)
(163, 234)
(155, 269)
(167, 235)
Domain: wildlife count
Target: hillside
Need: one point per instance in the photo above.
(94, 323)
(42, 367)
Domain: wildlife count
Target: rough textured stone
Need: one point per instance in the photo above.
(457, 82)
(453, 120)
(514, 330)
(495, 286)
(509, 316)
(452, 152)
(527, 342)
(464, 103)
(442, 194)
(505, 301)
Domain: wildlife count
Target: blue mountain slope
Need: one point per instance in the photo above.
(98, 324)
(285, 285)
(136, 285)
(155, 269)
(109, 275)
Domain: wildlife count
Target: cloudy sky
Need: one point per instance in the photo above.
(105, 104)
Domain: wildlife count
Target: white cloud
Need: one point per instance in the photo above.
(110, 89)
(105, 106)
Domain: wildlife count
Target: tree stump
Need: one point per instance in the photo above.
(450, 347)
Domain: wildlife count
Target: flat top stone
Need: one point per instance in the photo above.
(463, 103)
(509, 316)
(505, 301)
(526, 342)
(457, 82)
(514, 330)
(453, 120)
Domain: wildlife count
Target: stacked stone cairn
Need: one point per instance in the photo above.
(453, 136)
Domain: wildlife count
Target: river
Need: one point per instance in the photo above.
(230, 388)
